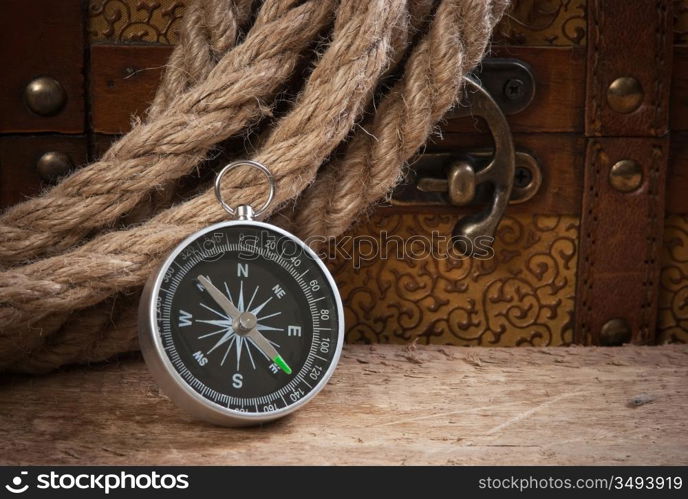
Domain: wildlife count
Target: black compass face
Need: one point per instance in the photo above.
(248, 318)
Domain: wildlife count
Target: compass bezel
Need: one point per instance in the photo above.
(172, 383)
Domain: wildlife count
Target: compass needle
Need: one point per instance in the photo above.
(219, 297)
(282, 364)
(266, 347)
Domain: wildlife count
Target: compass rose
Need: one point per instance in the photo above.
(227, 337)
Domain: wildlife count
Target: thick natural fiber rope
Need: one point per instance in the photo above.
(352, 64)
(233, 96)
(401, 125)
(110, 327)
(208, 31)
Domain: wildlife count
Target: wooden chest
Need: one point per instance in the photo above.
(595, 251)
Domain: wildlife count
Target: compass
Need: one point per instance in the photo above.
(242, 323)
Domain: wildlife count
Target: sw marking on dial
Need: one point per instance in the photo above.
(248, 318)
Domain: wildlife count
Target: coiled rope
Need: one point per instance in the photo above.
(71, 273)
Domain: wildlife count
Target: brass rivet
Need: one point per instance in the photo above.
(626, 175)
(45, 96)
(615, 332)
(53, 165)
(625, 95)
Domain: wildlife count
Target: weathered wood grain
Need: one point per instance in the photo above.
(385, 405)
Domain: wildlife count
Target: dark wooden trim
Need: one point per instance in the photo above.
(124, 79)
(559, 103)
(677, 175)
(679, 91)
(41, 38)
(19, 155)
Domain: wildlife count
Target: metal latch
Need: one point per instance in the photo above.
(449, 179)
(481, 177)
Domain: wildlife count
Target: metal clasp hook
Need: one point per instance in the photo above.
(499, 172)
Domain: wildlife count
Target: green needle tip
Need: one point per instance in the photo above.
(282, 364)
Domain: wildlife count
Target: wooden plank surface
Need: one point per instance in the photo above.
(385, 405)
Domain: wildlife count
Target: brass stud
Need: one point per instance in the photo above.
(45, 96)
(53, 165)
(615, 332)
(625, 95)
(626, 175)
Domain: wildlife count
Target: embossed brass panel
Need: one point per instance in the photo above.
(556, 23)
(522, 296)
(552, 23)
(122, 21)
(673, 291)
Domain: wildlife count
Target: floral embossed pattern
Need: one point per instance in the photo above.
(529, 22)
(544, 22)
(522, 296)
(673, 292)
(142, 21)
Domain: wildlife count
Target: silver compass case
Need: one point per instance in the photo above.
(208, 384)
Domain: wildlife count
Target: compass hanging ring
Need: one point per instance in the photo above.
(245, 212)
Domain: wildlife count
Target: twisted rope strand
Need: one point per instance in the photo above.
(162, 150)
(210, 29)
(373, 162)
(331, 101)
